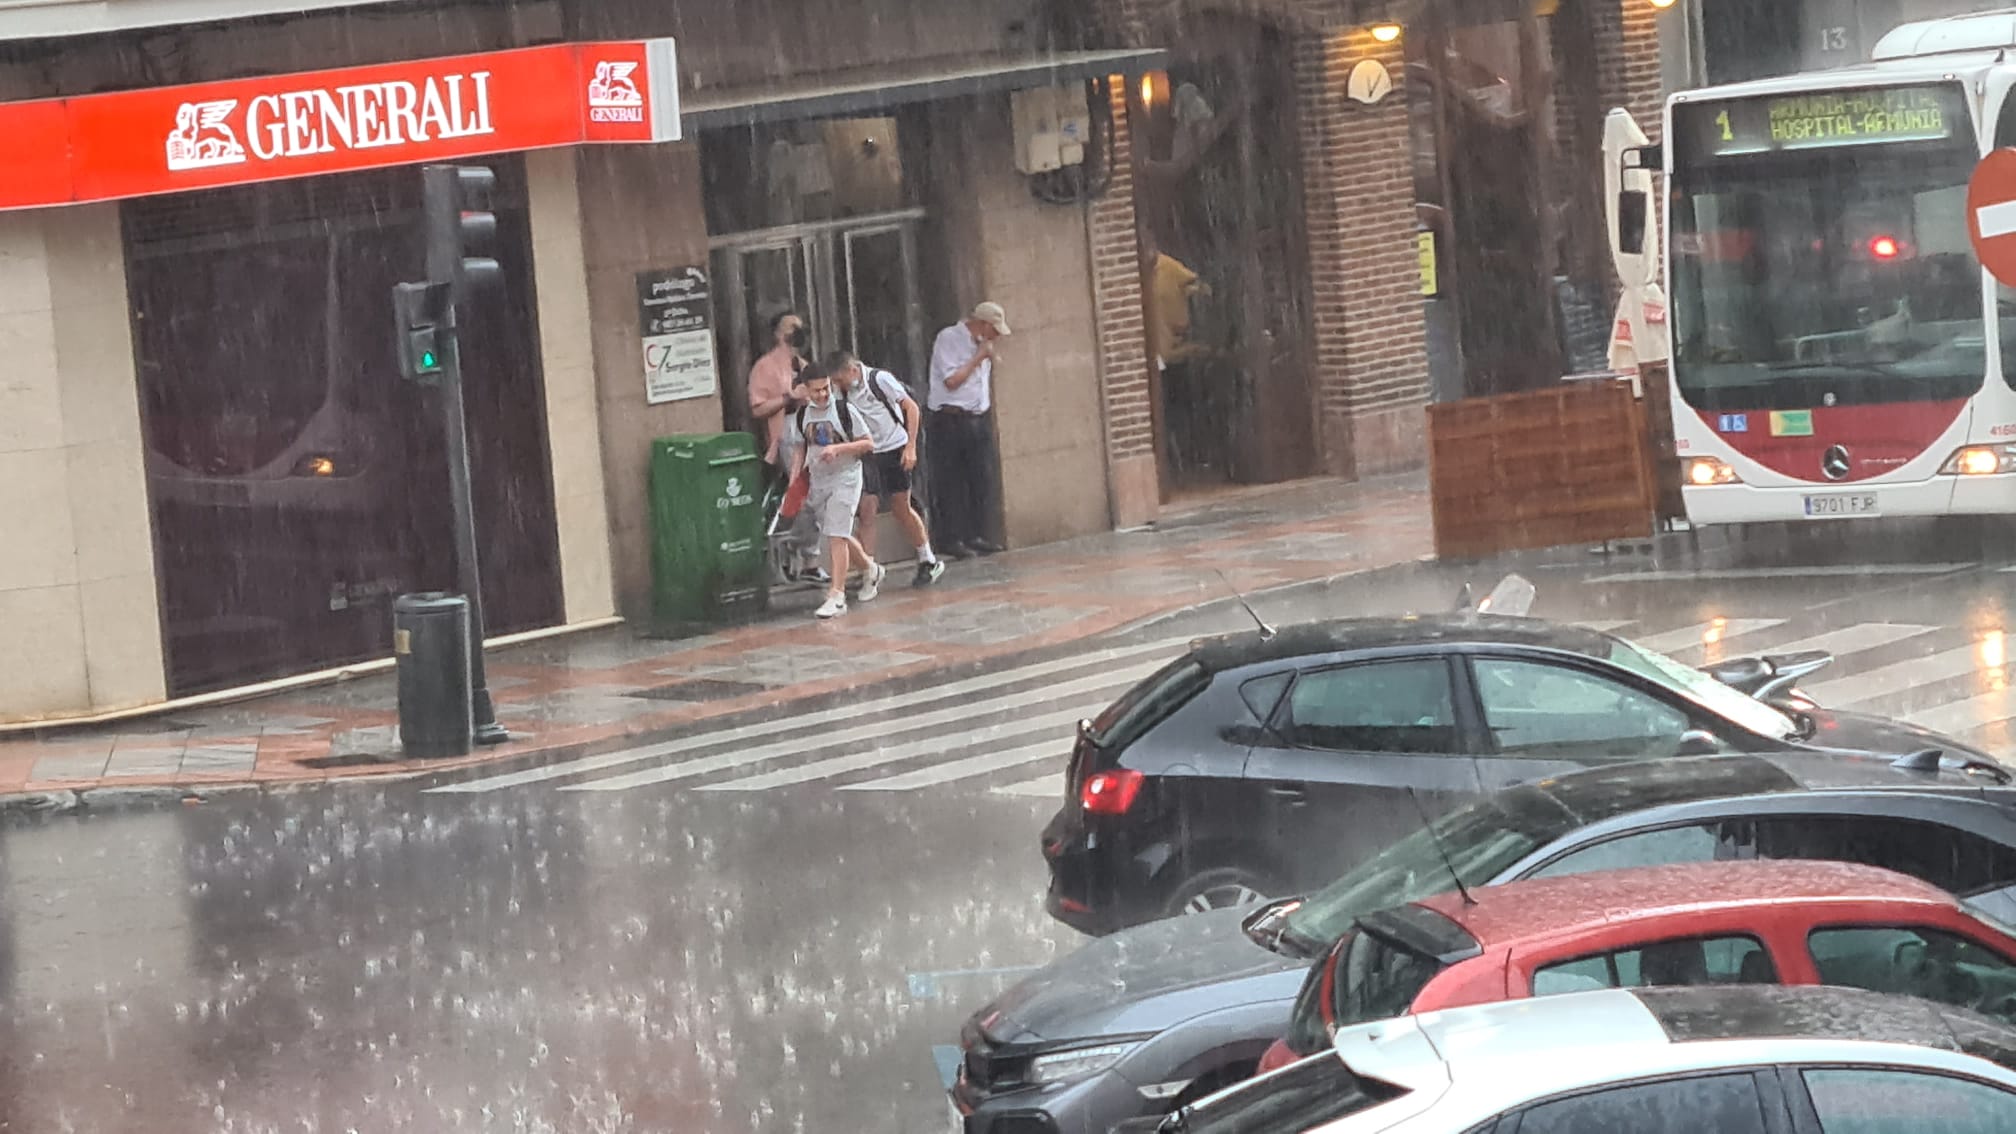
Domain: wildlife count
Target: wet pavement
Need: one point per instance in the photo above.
(593, 689)
(527, 955)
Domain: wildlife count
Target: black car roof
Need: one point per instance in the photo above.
(1229, 651)
(1819, 1012)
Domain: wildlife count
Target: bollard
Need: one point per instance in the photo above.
(430, 639)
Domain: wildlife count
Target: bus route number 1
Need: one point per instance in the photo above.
(1722, 120)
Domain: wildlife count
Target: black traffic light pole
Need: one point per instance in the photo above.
(459, 222)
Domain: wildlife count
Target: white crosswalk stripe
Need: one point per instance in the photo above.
(1010, 732)
(797, 722)
(1897, 677)
(1699, 635)
(871, 733)
(963, 769)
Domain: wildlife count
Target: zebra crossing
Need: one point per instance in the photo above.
(1009, 732)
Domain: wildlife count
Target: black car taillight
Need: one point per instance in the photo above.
(1110, 792)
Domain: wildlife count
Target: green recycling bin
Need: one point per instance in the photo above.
(706, 530)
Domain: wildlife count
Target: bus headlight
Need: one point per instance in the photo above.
(1700, 472)
(1981, 460)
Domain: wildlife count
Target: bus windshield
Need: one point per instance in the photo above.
(1819, 251)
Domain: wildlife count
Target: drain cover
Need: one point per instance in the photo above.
(702, 689)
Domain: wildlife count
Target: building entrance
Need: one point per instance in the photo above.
(297, 483)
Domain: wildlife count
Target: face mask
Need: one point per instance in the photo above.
(800, 339)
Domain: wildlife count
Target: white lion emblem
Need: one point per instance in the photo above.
(202, 137)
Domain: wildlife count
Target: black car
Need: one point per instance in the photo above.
(1263, 763)
(1159, 1015)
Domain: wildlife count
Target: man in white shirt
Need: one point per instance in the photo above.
(894, 421)
(832, 440)
(965, 461)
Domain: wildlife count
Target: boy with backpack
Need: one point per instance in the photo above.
(894, 422)
(833, 439)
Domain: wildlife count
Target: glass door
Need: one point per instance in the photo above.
(855, 282)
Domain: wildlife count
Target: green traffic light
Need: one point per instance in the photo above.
(427, 359)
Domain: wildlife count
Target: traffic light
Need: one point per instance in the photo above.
(421, 311)
(461, 229)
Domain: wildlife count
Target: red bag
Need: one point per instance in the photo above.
(794, 496)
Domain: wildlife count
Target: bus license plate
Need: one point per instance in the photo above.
(1842, 504)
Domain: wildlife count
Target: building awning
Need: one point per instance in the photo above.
(877, 88)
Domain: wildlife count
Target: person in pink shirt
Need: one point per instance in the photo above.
(772, 397)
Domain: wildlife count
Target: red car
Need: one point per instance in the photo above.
(1761, 922)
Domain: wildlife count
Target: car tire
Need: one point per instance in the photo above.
(1219, 888)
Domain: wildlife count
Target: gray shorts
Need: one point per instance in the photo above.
(833, 505)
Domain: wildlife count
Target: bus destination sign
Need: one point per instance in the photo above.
(1823, 119)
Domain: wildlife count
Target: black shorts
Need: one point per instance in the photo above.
(883, 475)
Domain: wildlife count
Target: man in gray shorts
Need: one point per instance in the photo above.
(894, 422)
(833, 439)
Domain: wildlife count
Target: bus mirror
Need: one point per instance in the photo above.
(1632, 205)
(1650, 156)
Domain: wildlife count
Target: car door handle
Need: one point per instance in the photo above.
(1291, 793)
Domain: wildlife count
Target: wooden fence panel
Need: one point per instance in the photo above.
(1562, 465)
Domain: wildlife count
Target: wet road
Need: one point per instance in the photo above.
(670, 958)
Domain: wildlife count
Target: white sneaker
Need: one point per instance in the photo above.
(871, 585)
(835, 606)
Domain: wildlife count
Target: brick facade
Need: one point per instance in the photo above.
(1122, 329)
(1370, 342)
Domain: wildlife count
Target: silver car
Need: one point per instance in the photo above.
(1733, 1060)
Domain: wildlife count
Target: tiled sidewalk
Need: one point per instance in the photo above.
(595, 689)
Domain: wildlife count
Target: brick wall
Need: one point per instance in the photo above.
(1641, 89)
(1370, 342)
(1122, 330)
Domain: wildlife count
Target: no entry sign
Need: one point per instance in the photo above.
(1991, 214)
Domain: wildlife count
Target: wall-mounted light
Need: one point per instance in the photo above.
(1386, 31)
(1149, 87)
(1662, 3)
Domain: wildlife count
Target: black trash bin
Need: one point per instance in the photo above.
(430, 639)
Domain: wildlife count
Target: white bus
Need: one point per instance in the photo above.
(1830, 325)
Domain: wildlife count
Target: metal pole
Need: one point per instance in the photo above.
(444, 264)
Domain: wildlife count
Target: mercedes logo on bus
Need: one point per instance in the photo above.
(1834, 462)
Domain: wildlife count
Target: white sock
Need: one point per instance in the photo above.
(925, 554)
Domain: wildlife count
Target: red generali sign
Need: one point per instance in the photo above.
(170, 139)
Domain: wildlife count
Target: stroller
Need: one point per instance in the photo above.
(782, 553)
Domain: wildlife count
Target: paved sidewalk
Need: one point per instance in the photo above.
(596, 689)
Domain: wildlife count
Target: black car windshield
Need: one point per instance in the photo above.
(1298, 1097)
(1480, 841)
(1725, 702)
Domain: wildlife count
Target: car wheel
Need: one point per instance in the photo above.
(1218, 889)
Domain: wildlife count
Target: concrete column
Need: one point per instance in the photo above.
(77, 564)
(567, 360)
(640, 208)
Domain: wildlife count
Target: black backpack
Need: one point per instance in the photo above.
(875, 388)
(844, 412)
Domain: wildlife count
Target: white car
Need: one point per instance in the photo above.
(1731, 1060)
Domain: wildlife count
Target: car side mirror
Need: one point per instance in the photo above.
(1265, 925)
(1698, 742)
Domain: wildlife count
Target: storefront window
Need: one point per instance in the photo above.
(775, 174)
(297, 482)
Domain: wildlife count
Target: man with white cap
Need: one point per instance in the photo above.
(965, 463)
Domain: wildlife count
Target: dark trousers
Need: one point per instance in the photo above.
(965, 477)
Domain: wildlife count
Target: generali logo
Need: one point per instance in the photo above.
(323, 120)
(613, 95)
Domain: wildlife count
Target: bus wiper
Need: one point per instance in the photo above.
(1866, 367)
